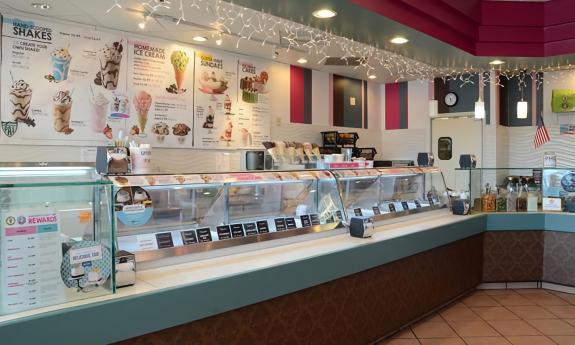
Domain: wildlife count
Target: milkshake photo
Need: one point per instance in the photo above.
(109, 57)
(180, 62)
(62, 111)
(99, 112)
(20, 97)
(142, 103)
(60, 64)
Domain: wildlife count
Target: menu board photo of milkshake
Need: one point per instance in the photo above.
(160, 82)
(254, 110)
(215, 94)
(49, 94)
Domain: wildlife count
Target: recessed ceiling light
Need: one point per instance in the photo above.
(41, 5)
(372, 76)
(324, 13)
(497, 62)
(301, 60)
(399, 40)
(142, 25)
(199, 38)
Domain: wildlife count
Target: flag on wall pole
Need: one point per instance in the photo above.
(541, 135)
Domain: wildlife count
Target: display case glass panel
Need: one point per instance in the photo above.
(56, 239)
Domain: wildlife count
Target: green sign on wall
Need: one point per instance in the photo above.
(563, 101)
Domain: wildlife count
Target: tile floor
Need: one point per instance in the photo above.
(498, 317)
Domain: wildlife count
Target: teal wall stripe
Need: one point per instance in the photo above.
(403, 111)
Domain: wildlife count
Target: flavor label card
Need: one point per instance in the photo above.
(315, 219)
(404, 205)
(290, 223)
(224, 232)
(376, 210)
(280, 224)
(263, 227)
(204, 235)
(305, 221)
(330, 220)
(430, 199)
(417, 204)
(339, 215)
(391, 207)
(357, 212)
(237, 230)
(164, 240)
(189, 237)
(250, 229)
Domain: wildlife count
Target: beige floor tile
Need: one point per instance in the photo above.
(473, 329)
(486, 341)
(433, 330)
(400, 342)
(532, 312)
(562, 311)
(442, 341)
(570, 321)
(510, 300)
(494, 313)
(565, 296)
(404, 334)
(563, 339)
(459, 313)
(530, 340)
(500, 292)
(513, 327)
(433, 318)
(480, 301)
(531, 291)
(552, 327)
(545, 298)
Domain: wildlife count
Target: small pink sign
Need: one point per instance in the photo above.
(19, 231)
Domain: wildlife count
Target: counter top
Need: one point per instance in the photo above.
(195, 290)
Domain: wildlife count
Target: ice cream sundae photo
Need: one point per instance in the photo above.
(61, 59)
(211, 84)
(179, 60)
(109, 58)
(142, 104)
(228, 105)
(62, 112)
(209, 123)
(20, 97)
(181, 130)
(120, 105)
(227, 134)
(161, 129)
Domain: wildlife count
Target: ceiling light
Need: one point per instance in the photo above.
(219, 41)
(522, 110)
(399, 40)
(41, 5)
(497, 62)
(324, 13)
(302, 60)
(372, 76)
(199, 38)
(142, 24)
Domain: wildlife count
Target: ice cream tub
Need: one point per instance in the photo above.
(141, 160)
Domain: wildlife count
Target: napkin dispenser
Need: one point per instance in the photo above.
(467, 161)
(425, 159)
(125, 269)
(361, 227)
(112, 160)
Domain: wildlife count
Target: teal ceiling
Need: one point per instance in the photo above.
(368, 27)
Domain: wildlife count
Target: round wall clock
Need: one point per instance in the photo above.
(451, 99)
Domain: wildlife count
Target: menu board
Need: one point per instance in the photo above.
(160, 76)
(215, 115)
(71, 85)
(58, 83)
(254, 108)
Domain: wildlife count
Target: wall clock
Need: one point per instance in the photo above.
(451, 99)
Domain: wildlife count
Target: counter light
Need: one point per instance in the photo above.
(324, 13)
(399, 40)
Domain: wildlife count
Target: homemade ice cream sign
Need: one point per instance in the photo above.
(66, 85)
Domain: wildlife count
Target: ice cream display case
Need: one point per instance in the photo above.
(56, 236)
(167, 216)
(391, 193)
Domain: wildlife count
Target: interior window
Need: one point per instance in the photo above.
(445, 148)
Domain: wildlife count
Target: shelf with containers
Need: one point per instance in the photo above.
(517, 189)
(57, 236)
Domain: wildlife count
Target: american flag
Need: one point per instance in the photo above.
(541, 135)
